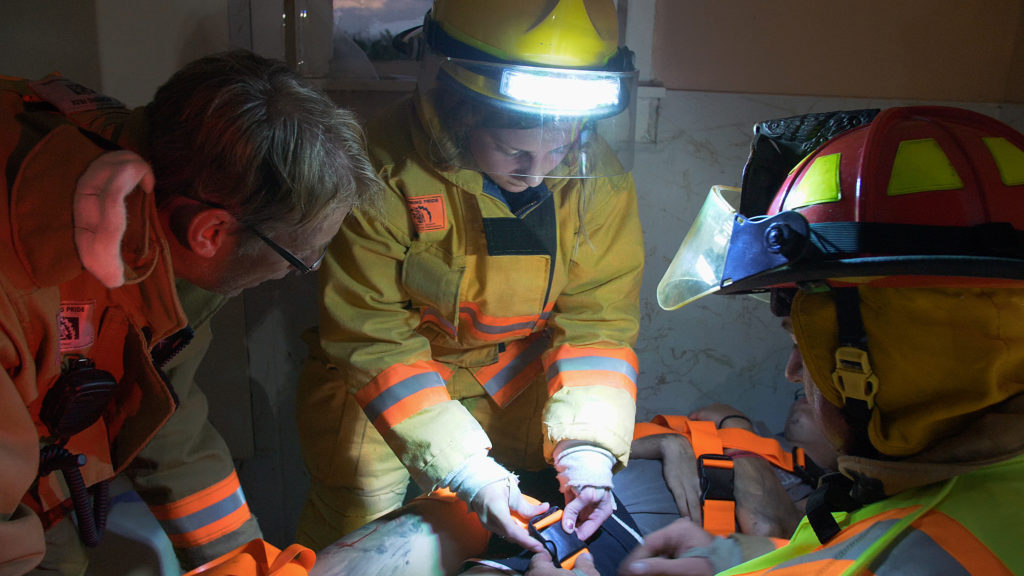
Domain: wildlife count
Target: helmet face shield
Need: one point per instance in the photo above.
(697, 268)
(529, 121)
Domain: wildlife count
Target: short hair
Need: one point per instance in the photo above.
(246, 133)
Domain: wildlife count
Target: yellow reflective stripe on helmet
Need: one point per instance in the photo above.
(1009, 159)
(921, 166)
(820, 184)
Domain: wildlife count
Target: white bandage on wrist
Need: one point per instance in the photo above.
(580, 465)
(475, 473)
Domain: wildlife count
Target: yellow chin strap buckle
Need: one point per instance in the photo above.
(853, 375)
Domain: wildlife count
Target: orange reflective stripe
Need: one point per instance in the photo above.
(961, 544)
(206, 515)
(720, 516)
(401, 391)
(516, 367)
(514, 387)
(198, 501)
(570, 366)
(855, 529)
(431, 316)
(591, 378)
(494, 328)
(211, 532)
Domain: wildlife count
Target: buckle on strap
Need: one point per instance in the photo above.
(717, 477)
(563, 546)
(853, 375)
(717, 497)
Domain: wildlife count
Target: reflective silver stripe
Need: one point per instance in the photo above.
(440, 320)
(205, 517)
(400, 391)
(531, 354)
(914, 553)
(592, 363)
(495, 329)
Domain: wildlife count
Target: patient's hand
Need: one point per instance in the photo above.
(679, 467)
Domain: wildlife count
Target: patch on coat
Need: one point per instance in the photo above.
(428, 213)
(70, 97)
(74, 325)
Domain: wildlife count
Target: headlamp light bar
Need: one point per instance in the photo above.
(569, 93)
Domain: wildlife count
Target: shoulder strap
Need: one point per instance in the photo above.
(715, 466)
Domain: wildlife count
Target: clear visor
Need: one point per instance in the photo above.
(529, 121)
(696, 270)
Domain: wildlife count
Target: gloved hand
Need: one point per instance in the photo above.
(100, 215)
(493, 493)
(585, 477)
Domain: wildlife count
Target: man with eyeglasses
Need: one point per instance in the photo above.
(121, 234)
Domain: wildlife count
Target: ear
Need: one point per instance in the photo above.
(209, 231)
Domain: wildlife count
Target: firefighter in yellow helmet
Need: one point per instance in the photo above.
(482, 320)
(896, 250)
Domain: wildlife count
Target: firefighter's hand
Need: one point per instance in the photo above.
(679, 468)
(100, 215)
(585, 477)
(664, 552)
(592, 506)
(541, 565)
(496, 502)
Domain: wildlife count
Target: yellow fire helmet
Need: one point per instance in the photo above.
(550, 71)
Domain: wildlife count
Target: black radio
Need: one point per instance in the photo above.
(77, 399)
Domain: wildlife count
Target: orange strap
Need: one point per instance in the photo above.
(720, 517)
(724, 439)
(539, 524)
(719, 510)
(260, 558)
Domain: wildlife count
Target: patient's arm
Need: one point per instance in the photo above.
(679, 467)
(763, 507)
(429, 536)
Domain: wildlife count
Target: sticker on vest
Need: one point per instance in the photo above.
(70, 97)
(74, 324)
(428, 213)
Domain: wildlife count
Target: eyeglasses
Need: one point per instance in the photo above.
(292, 259)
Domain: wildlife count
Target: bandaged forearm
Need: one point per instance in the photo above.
(475, 473)
(580, 465)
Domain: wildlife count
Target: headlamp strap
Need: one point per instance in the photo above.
(853, 375)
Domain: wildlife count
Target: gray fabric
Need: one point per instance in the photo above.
(641, 488)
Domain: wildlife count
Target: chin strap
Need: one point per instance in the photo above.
(839, 493)
(853, 375)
